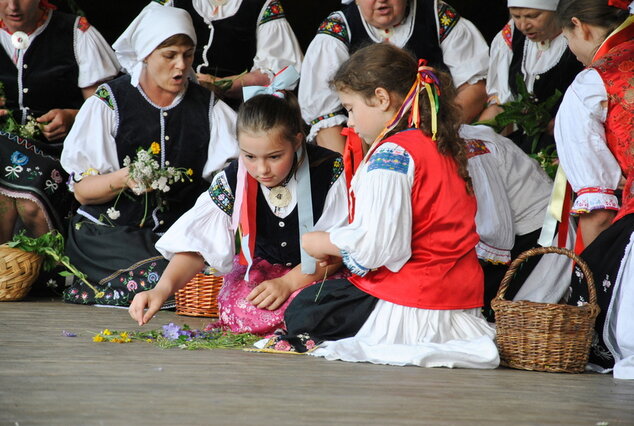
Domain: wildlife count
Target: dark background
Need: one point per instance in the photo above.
(111, 17)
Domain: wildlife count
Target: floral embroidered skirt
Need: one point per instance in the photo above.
(605, 257)
(119, 261)
(237, 313)
(31, 170)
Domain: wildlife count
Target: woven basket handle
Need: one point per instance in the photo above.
(510, 273)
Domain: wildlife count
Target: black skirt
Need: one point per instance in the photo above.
(332, 311)
(603, 256)
(30, 169)
(119, 262)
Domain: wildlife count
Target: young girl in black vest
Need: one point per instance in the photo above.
(277, 190)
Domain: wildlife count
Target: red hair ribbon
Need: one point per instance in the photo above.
(621, 4)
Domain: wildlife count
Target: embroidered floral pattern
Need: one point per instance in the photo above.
(475, 147)
(273, 11)
(104, 94)
(120, 290)
(396, 160)
(221, 195)
(83, 24)
(337, 169)
(447, 19)
(334, 26)
(507, 35)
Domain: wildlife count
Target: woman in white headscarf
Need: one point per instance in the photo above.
(532, 45)
(156, 108)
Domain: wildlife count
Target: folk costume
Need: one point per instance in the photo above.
(594, 142)
(544, 66)
(113, 242)
(513, 194)
(42, 71)
(431, 29)
(241, 35)
(207, 229)
(417, 288)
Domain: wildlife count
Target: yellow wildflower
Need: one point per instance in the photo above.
(155, 148)
(97, 338)
(100, 295)
(125, 337)
(189, 172)
(149, 340)
(106, 332)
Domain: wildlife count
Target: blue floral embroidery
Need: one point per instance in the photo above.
(395, 160)
(221, 195)
(352, 265)
(19, 159)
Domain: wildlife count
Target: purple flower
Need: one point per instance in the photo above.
(171, 331)
(153, 277)
(68, 334)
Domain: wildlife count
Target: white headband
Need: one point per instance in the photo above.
(155, 24)
(534, 4)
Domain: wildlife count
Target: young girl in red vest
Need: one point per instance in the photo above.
(417, 287)
(594, 129)
(277, 190)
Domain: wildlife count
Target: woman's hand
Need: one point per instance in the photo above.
(152, 300)
(59, 122)
(270, 294)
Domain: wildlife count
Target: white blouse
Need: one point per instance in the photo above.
(537, 60)
(206, 229)
(581, 143)
(277, 47)
(90, 147)
(381, 232)
(95, 58)
(465, 52)
(512, 192)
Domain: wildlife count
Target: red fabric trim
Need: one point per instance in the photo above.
(565, 217)
(247, 215)
(595, 191)
(352, 157)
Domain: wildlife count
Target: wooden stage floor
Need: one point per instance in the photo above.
(49, 379)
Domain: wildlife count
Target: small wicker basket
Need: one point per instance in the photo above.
(18, 270)
(545, 336)
(199, 296)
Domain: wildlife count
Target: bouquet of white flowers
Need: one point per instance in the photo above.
(148, 175)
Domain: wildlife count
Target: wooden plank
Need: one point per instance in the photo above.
(46, 378)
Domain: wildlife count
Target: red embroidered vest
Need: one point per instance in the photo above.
(616, 68)
(443, 271)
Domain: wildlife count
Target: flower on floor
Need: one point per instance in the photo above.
(68, 334)
(183, 337)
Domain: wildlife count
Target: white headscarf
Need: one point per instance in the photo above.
(154, 25)
(535, 4)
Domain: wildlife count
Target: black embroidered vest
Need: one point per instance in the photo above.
(558, 77)
(424, 40)
(234, 41)
(277, 239)
(49, 71)
(185, 144)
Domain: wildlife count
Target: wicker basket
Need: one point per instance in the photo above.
(199, 296)
(18, 270)
(544, 336)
